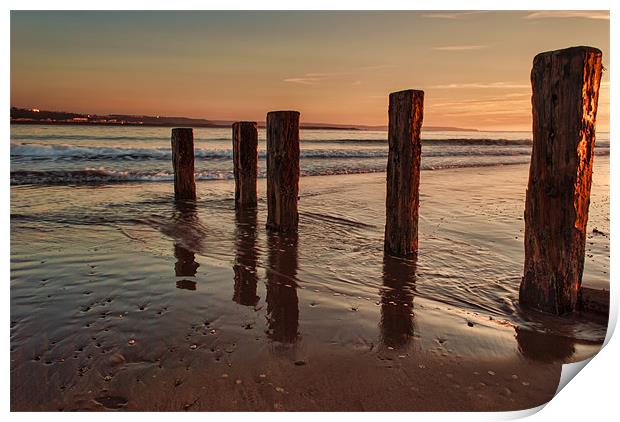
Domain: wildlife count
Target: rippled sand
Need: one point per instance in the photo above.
(121, 299)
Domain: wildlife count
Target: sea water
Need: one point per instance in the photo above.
(94, 154)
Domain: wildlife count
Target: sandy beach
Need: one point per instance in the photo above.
(122, 300)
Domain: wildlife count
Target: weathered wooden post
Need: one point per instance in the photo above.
(565, 85)
(245, 159)
(282, 170)
(183, 163)
(403, 172)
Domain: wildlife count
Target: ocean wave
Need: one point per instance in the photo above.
(38, 152)
(109, 176)
(98, 176)
(89, 137)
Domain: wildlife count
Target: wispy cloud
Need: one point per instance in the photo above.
(511, 113)
(460, 47)
(509, 107)
(511, 99)
(491, 103)
(481, 85)
(307, 79)
(585, 14)
(452, 15)
(518, 94)
(376, 67)
(314, 78)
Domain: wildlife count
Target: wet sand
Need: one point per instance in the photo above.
(334, 380)
(121, 300)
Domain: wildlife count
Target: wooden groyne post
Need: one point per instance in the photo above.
(245, 159)
(282, 170)
(183, 163)
(403, 172)
(565, 86)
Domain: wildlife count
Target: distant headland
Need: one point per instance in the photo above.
(34, 116)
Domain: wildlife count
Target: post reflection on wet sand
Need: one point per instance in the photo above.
(246, 257)
(544, 347)
(186, 243)
(397, 326)
(282, 301)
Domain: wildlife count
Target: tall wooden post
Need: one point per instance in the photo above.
(183, 163)
(403, 172)
(245, 159)
(282, 170)
(565, 85)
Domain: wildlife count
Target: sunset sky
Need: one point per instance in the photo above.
(334, 67)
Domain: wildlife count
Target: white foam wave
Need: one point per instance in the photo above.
(39, 152)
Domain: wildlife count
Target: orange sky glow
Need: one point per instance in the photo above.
(334, 67)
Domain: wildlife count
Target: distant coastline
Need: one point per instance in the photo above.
(25, 116)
